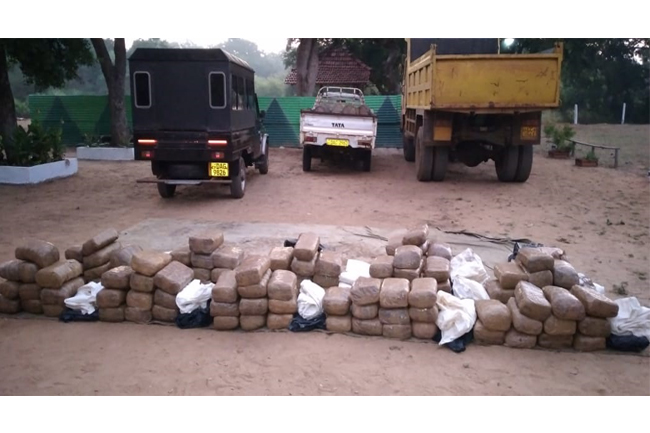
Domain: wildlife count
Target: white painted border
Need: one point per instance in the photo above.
(38, 173)
(105, 153)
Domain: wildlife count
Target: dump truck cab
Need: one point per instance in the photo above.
(196, 118)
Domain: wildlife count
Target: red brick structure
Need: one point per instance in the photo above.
(338, 67)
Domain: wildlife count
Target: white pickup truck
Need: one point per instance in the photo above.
(339, 124)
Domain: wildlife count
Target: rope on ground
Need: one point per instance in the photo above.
(369, 234)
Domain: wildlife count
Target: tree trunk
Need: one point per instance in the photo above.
(7, 106)
(306, 66)
(312, 70)
(115, 75)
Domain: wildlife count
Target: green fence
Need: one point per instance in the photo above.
(81, 116)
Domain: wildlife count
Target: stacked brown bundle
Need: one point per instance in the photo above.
(253, 276)
(393, 311)
(224, 307)
(169, 282)
(124, 255)
(533, 305)
(305, 255)
(97, 253)
(382, 267)
(564, 275)
(439, 268)
(365, 306)
(492, 323)
(508, 275)
(439, 250)
(328, 268)
(407, 262)
(422, 307)
(118, 280)
(566, 311)
(594, 328)
(201, 249)
(526, 328)
(59, 282)
(281, 258)
(538, 266)
(283, 299)
(20, 290)
(416, 236)
(336, 304)
(225, 258)
(146, 264)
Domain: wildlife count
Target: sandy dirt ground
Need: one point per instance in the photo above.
(600, 216)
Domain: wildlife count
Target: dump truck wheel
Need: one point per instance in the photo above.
(440, 163)
(166, 191)
(306, 158)
(506, 164)
(408, 147)
(525, 163)
(238, 185)
(423, 159)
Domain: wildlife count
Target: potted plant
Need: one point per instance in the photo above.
(590, 160)
(562, 146)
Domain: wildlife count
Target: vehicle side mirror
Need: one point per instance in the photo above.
(262, 114)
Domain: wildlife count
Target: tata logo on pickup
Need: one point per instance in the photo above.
(338, 125)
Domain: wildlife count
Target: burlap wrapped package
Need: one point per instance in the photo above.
(99, 241)
(214, 274)
(203, 275)
(424, 315)
(173, 278)
(445, 287)
(11, 270)
(9, 289)
(141, 283)
(416, 236)
(423, 293)
(137, 315)
(283, 285)
(365, 291)
(281, 258)
(30, 292)
(163, 314)
(408, 274)
(372, 327)
(329, 263)
(563, 304)
(148, 262)
(494, 315)
(9, 306)
(394, 242)
(225, 323)
(117, 278)
(225, 289)
(259, 290)
(251, 323)
(41, 253)
(182, 255)
(509, 274)
(407, 257)
(52, 310)
(555, 326)
(382, 267)
(278, 321)
(227, 256)
(142, 301)
(108, 298)
(365, 312)
(337, 302)
(54, 276)
(283, 307)
(224, 309)
(58, 296)
(74, 253)
(95, 274)
(483, 335)
(101, 257)
(304, 269)
(594, 327)
(596, 305)
(535, 260)
(394, 316)
(564, 275)
(164, 299)
(325, 282)
(401, 332)
(206, 243)
(521, 323)
(253, 307)
(554, 341)
(531, 301)
(32, 306)
(520, 340)
(114, 315)
(27, 272)
(203, 261)
(340, 324)
(306, 247)
(394, 293)
(423, 331)
(251, 270)
(541, 279)
(438, 268)
(439, 250)
(584, 343)
(124, 255)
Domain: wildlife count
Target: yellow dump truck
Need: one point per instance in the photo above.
(463, 100)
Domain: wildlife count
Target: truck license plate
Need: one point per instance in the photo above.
(528, 132)
(336, 142)
(218, 169)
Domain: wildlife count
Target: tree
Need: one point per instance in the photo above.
(265, 65)
(306, 65)
(115, 75)
(44, 63)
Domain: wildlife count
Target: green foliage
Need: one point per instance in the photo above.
(591, 156)
(561, 137)
(35, 146)
(22, 109)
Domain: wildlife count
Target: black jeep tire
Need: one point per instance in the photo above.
(306, 158)
(263, 166)
(165, 190)
(238, 184)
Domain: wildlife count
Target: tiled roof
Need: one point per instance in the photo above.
(337, 66)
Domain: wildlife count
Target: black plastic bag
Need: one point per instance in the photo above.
(627, 343)
(292, 243)
(519, 246)
(199, 318)
(458, 345)
(69, 315)
(298, 324)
